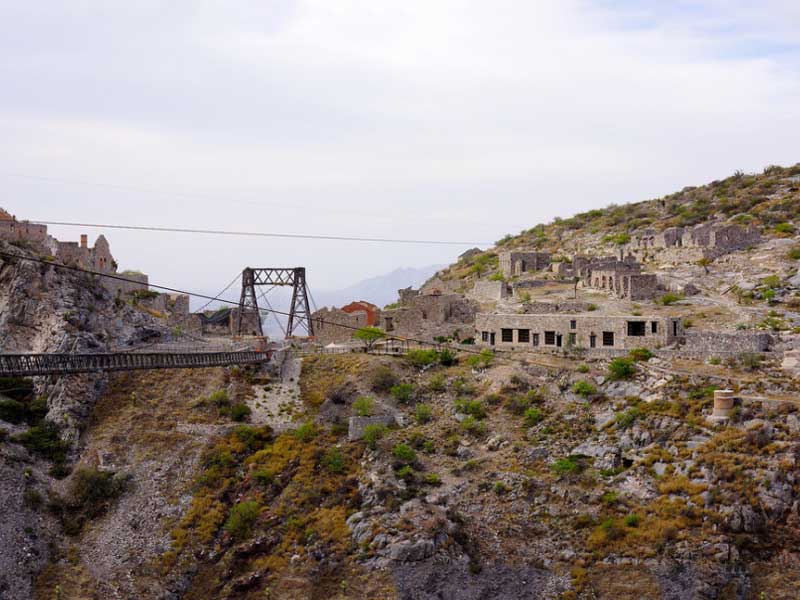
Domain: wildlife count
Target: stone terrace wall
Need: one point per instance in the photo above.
(715, 342)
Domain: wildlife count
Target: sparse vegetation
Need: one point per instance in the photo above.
(373, 433)
(423, 413)
(621, 368)
(363, 406)
(583, 388)
(670, 298)
(403, 392)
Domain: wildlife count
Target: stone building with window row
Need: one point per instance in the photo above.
(543, 331)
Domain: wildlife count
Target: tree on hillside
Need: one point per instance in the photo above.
(369, 335)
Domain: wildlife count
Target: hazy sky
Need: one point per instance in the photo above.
(436, 119)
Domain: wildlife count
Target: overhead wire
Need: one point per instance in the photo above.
(262, 234)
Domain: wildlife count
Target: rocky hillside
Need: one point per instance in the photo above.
(770, 200)
(46, 309)
(458, 475)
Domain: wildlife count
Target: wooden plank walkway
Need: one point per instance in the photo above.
(29, 365)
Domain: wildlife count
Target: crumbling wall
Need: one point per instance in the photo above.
(514, 263)
(490, 290)
(333, 325)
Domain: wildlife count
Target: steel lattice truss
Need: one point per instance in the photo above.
(29, 365)
(299, 311)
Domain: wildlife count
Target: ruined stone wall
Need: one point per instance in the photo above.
(132, 282)
(17, 231)
(428, 316)
(544, 308)
(516, 263)
(333, 325)
(583, 331)
(489, 290)
(716, 342)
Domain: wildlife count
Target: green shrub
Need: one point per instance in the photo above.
(632, 520)
(447, 358)
(591, 307)
(437, 383)
(474, 426)
(382, 379)
(306, 432)
(373, 433)
(583, 388)
(625, 419)
(482, 360)
(670, 298)
(220, 399)
(471, 407)
(43, 439)
(263, 477)
(334, 460)
(423, 413)
(422, 358)
(566, 466)
(640, 354)
(621, 368)
(239, 412)
(12, 411)
(404, 454)
(254, 438)
(500, 488)
(583, 368)
(496, 277)
(92, 490)
(532, 416)
(402, 392)
(432, 479)
(364, 406)
(609, 498)
(794, 253)
(242, 519)
(784, 228)
(406, 473)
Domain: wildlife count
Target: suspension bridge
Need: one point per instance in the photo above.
(180, 356)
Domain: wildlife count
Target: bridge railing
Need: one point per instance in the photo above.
(29, 365)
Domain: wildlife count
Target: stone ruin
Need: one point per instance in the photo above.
(623, 278)
(514, 263)
(707, 240)
(337, 325)
(94, 258)
(429, 315)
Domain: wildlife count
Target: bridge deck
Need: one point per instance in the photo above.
(29, 365)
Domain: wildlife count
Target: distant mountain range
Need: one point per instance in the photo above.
(380, 290)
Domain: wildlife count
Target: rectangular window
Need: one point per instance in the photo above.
(484, 336)
(549, 338)
(654, 327)
(637, 328)
(608, 338)
(535, 339)
(523, 336)
(573, 324)
(506, 335)
(571, 340)
(389, 325)
(593, 341)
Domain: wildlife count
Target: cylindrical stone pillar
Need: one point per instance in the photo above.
(723, 403)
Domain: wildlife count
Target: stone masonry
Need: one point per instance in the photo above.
(537, 331)
(427, 316)
(513, 263)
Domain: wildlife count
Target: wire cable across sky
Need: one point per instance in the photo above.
(263, 234)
